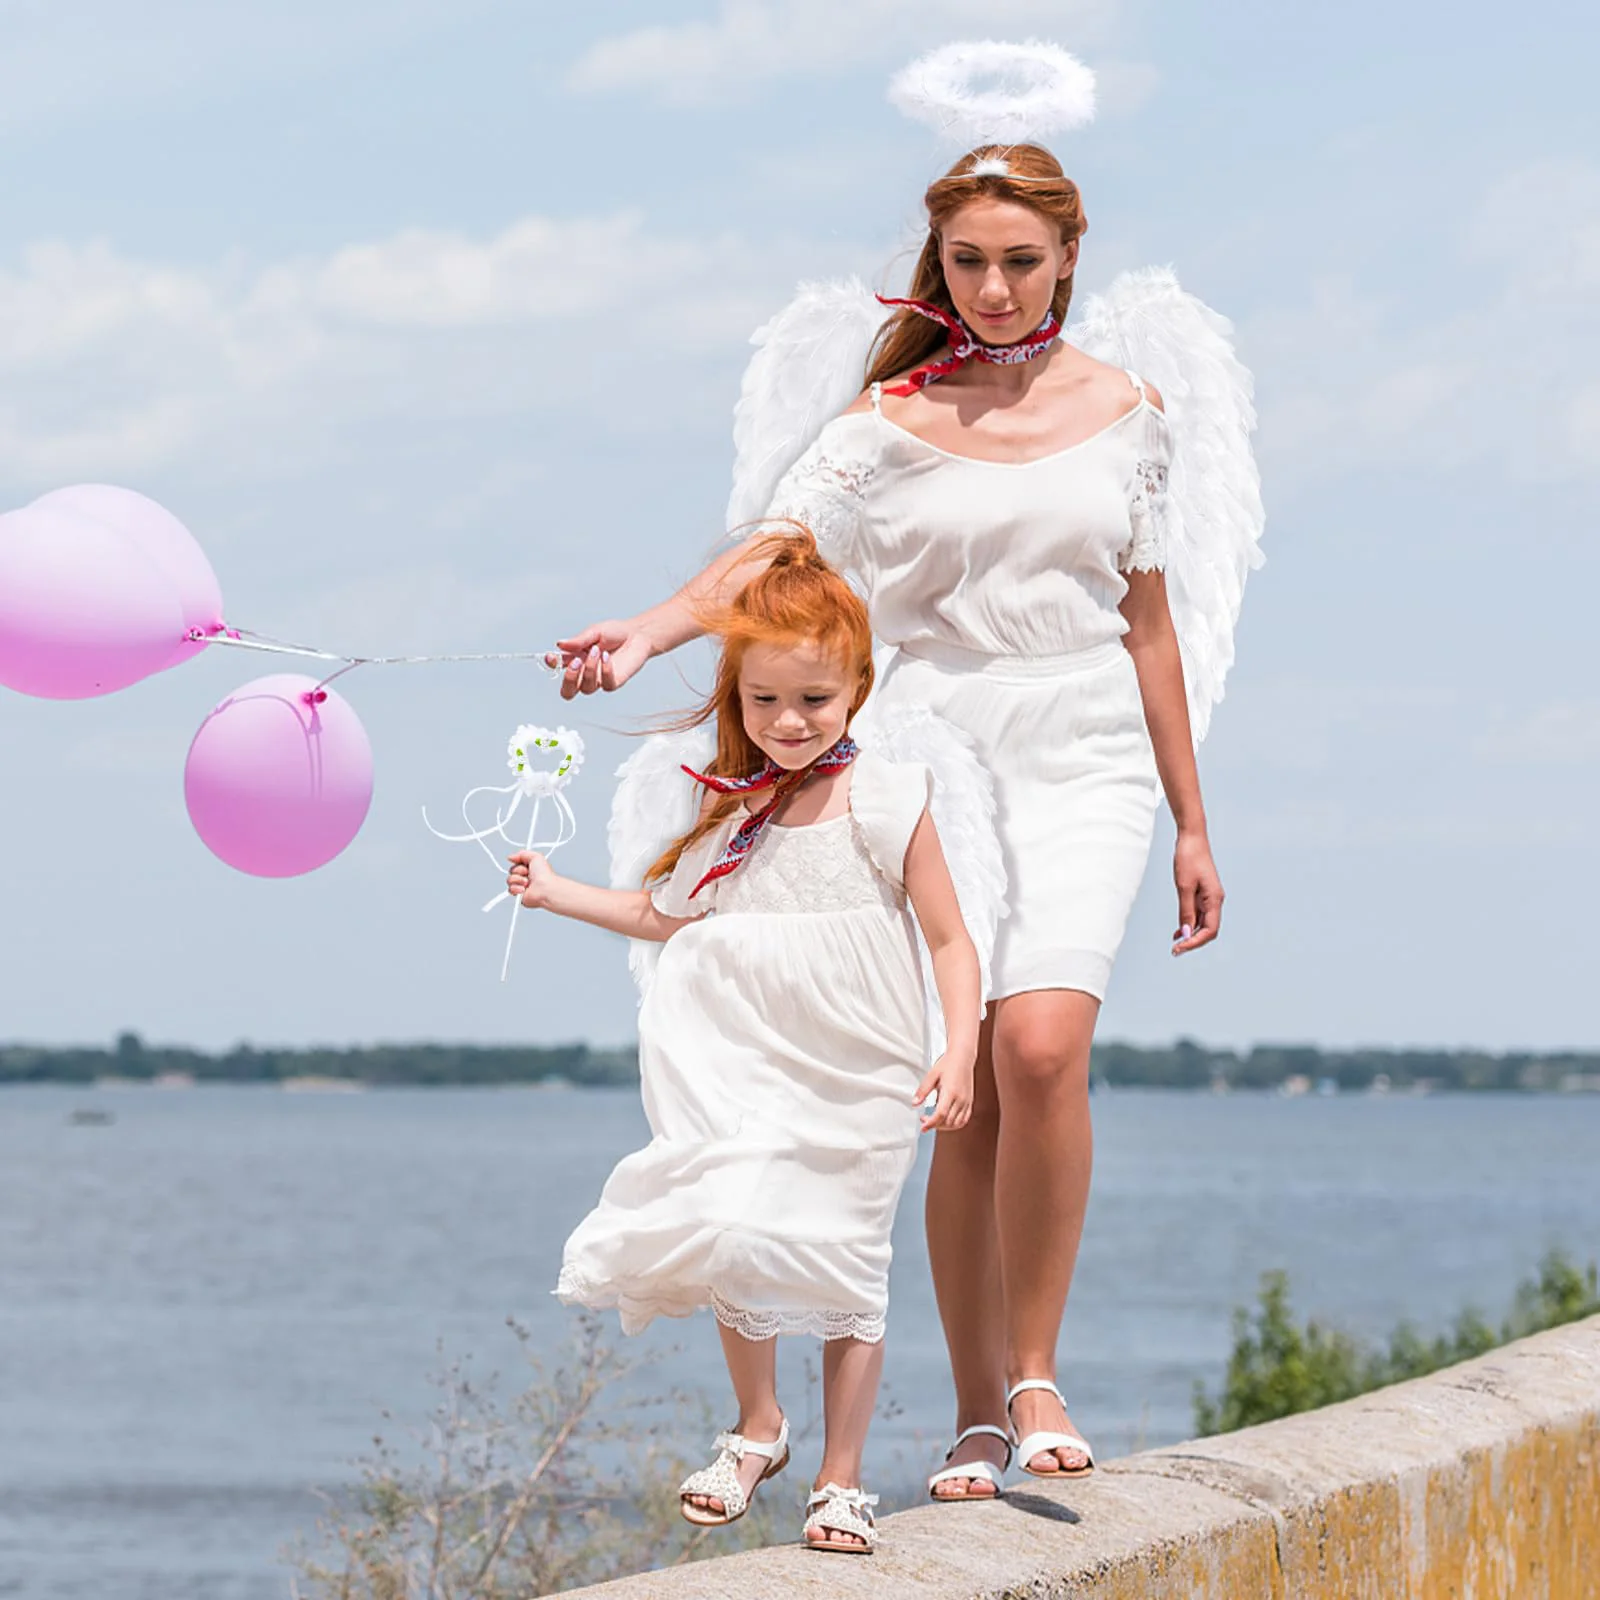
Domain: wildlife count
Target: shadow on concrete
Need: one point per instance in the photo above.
(1037, 1505)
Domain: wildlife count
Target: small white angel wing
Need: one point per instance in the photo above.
(1147, 323)
(656, 802)
(963, 812)
(809, 364)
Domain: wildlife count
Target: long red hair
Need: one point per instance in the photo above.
(796, 599)
(908, 339)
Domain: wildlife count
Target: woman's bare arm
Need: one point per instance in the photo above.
(1153, 643)
(606, 654)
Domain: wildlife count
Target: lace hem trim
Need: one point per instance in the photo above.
(637, 1313)
(867, 1326)
(1142, 561)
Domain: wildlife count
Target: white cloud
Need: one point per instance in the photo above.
(117, 364)
(1565, 733)
(1351, 378)
(66, 60)
(751, 41)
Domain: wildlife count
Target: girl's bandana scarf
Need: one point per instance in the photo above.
(782, 782)
(965, 347)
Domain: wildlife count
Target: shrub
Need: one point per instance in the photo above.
(572, 1481)
(1277, 1368)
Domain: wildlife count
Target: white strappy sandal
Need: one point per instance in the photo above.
(721, 1479)
(841, 1511)
(986, 1470)
(1037, 1443)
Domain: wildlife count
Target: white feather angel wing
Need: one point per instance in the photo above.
(1148, 324)
(963, 812)
(809, 364)
(656, 802)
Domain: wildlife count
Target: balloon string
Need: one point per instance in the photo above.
(244, 639)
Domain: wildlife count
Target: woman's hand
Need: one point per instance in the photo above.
(1199, 893)
(530, 879)
(952, 1079)
(603, 656)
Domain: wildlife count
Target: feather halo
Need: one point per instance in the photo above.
(988, 92)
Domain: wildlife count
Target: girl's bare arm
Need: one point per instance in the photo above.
(625, 911)
(956, 974)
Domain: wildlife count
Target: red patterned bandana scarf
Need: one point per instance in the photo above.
(782, 782)
(965, 346)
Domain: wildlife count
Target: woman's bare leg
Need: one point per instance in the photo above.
(753, 1367)
(1046, 1153)
(850, 1373)
(964, 1253)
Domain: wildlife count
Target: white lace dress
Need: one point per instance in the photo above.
(998, 584)
(779, 1046)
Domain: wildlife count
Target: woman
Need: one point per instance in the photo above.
(1002, 506)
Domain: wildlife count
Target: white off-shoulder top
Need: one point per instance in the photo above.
(1005, 558)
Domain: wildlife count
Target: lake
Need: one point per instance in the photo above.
(207, 1301)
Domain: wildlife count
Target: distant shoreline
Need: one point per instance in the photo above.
(1287, 1069)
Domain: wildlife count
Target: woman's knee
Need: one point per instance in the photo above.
(1041, 1066)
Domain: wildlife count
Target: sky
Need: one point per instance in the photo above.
(427, 317)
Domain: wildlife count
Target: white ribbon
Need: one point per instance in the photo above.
(537, 785)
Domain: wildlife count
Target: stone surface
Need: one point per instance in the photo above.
(1481, 1482)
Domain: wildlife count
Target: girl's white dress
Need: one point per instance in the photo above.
(998, 584)
(780, 1044)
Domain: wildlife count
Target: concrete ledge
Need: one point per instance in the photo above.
(1477, 1483)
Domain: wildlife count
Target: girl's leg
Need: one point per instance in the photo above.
(850, 1373)
(752, 1365)
(1046, 1151)
(964, 1253)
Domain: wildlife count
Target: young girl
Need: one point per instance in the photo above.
(782, 1044)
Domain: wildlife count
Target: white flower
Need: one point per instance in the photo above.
(544, 759)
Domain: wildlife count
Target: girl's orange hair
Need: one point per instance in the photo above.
(796, 599)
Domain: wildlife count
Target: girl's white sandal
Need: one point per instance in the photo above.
(1038, 1443)
(720, 1480)
(841, 1511)
(985, 1470)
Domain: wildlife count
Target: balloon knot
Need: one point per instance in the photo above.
(314, 697)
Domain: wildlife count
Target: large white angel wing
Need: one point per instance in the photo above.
(656, 802)
(1148, 324)
(963, 812)
(809, 365)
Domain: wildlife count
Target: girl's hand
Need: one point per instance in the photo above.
(1199, 894)
(952, 1079)
(604, 656)
(530, 879)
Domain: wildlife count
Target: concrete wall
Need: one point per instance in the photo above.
(1478, 1483)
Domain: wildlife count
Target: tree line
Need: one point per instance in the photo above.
(1184, 1065)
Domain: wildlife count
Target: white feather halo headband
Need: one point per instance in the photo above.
(987, 92)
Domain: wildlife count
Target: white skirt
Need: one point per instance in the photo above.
(778, 1050)
(1076, 792)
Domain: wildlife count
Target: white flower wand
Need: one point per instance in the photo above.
(529, 782)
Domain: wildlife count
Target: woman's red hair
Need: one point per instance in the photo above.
(796, 599)
(908, 338)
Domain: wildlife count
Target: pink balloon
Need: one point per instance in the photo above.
(82, 612)
(161, 538)
(275, 784)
